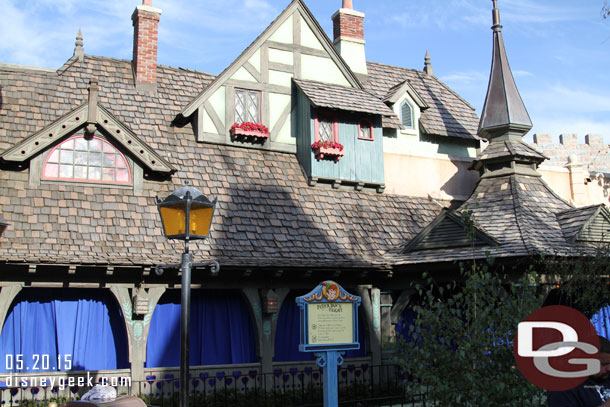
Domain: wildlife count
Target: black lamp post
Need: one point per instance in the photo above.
(186, 215)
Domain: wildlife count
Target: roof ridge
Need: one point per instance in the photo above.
(517, 205)
(17, 67)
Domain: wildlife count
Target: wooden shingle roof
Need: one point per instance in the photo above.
(447, 114)
(267, 215)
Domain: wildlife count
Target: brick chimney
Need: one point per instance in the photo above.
(145, 33)
(348, 29)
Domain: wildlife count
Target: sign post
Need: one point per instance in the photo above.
(329, 327)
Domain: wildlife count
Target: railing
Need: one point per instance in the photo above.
(359, 385)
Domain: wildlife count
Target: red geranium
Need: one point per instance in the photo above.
(250, 126)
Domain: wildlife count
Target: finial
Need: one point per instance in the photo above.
(348, 4)
(496, 17)
(79, 51)
(428, 64)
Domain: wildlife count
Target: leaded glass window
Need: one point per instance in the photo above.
(326, 129)
(406, 115)
(91, 160)
(247, 106)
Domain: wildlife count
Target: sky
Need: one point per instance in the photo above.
(559, 50)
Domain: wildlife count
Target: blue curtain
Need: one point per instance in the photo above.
(287, 336)
(406, 319)
(601, 321)
(82, 326)
(221, 330)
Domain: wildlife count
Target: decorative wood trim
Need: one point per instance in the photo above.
(298, 48)
(296, 6)
(229, 112)
(199, 124)
(216, 138)
(252, 70)
(296, 28)
(265, 64)
(220, 127)
(281, 121)
(42, 139)
(259, 86)
(276, 66)
(131, 142)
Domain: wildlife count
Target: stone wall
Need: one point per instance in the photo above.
(594, 154)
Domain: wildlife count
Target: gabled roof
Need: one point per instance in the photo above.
(395, 93)
(267, 215)
(448, 230)
(587, 224)
(76, 120)
(448, 114)
(247, 53)
(342, 98)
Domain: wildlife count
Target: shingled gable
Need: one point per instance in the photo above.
(83, 117)
(588, 224)
(395, 93)
(295, 6)
(449, 230)
(510, 201)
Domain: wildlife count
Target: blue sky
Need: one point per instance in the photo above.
(559, 50)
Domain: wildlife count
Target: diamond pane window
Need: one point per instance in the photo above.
(247, 106)
(90, 160)
(327, 127)
(326, 130)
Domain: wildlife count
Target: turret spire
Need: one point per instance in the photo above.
(504, 112)
(79, 51)
(428, 64)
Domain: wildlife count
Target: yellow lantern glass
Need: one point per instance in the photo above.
(201, 219)
(174, 219)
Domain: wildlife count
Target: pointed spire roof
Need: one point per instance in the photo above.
(504, 110)
(79, 50)
(428, 64)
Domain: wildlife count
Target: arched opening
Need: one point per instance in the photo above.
(60, 329)
(221, 330)
(288, 331)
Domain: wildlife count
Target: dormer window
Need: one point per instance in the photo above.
(87, 160)
(365, 130)
(326, 127)
(406, 115)
(247, 106)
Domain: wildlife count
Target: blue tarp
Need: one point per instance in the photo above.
(288, 333)
(221, 330)
(84, 326)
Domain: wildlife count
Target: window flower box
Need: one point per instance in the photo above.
(326, 150)
(249, 132)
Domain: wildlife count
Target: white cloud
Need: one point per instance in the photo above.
(465, 78)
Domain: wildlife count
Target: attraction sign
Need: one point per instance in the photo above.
(329, 319)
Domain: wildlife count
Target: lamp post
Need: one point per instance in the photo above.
(186, 215)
